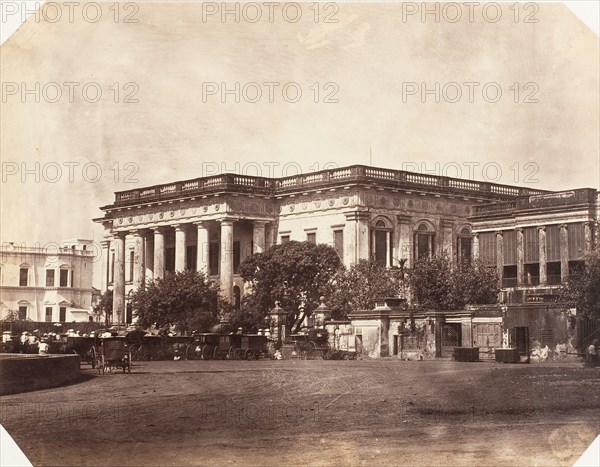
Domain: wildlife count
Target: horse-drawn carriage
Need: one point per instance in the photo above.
(203, 347)
(253, 346)
(113, 352)
(310, 344)
(228, 344)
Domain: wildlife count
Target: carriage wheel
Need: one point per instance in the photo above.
(238, 354)
(205, 352)
(248, 354)
(129, 364)
(230, 353)
(216, 353)
(190, 352)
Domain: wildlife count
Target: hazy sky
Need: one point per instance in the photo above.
(376, 58)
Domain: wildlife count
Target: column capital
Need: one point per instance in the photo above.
(203, 224)
(499, 233)
(475, 234)
(159, 229)
(105, 243)
(519, 230)
(226, 220)
(139, 232)
(357, 215)
(541, 228)
(447, 223)
(563, 226)
(119, 235)
(403, 218)
(183, 227)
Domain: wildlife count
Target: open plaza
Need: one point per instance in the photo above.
(317, 412)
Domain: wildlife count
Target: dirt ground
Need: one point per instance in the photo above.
(331, 413)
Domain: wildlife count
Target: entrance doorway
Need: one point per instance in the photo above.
(451, 337)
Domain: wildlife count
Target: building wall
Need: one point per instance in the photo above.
(38, 294)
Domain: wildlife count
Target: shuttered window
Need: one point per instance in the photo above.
(576, 241)
(531, 246)
(552, 243)
(487, 248)
(510, 247)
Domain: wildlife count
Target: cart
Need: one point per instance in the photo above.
(253, 346)
(311, 344)
(203, 347)
(228, 344)
(113, 352)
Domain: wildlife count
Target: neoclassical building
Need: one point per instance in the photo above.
(51, 283)
(213, 223)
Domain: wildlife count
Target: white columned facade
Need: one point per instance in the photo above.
(226, 274)
(258, 237)
(202, 247)
(138, 259)
(542, 255)
(105, 265)
(180, 247)
(159, 253)
(119, 278)
(356, 237)
(520, 257)
(148, 257)
(475, 252)
(500, 255)
(564, 252)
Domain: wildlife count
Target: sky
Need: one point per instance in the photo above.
(510, 99)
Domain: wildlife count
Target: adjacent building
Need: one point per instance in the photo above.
(50, 283)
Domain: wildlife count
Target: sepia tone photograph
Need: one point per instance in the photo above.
(299, 233)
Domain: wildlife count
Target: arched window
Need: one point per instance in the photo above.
(464, 247)
(424, 241)
(381, 242)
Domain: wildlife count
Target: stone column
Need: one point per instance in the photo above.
(258, 237)
(542, 255)
(119, 278)
(447, 244)
(202, 247)
(356, 237)
(180, 247)
(564, 253)
(500, 255)
(589, 236)
(138, 259)
(105, 265)
(404, 239)
(520, 258)
(475, 250)
(388, 246)
(226, 274)
(148, 256)
(159, 253)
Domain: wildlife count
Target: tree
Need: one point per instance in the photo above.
(293, 273)
(358, 287)
(186, 299)
(438, 284)
(105, 306)
(582, 291)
